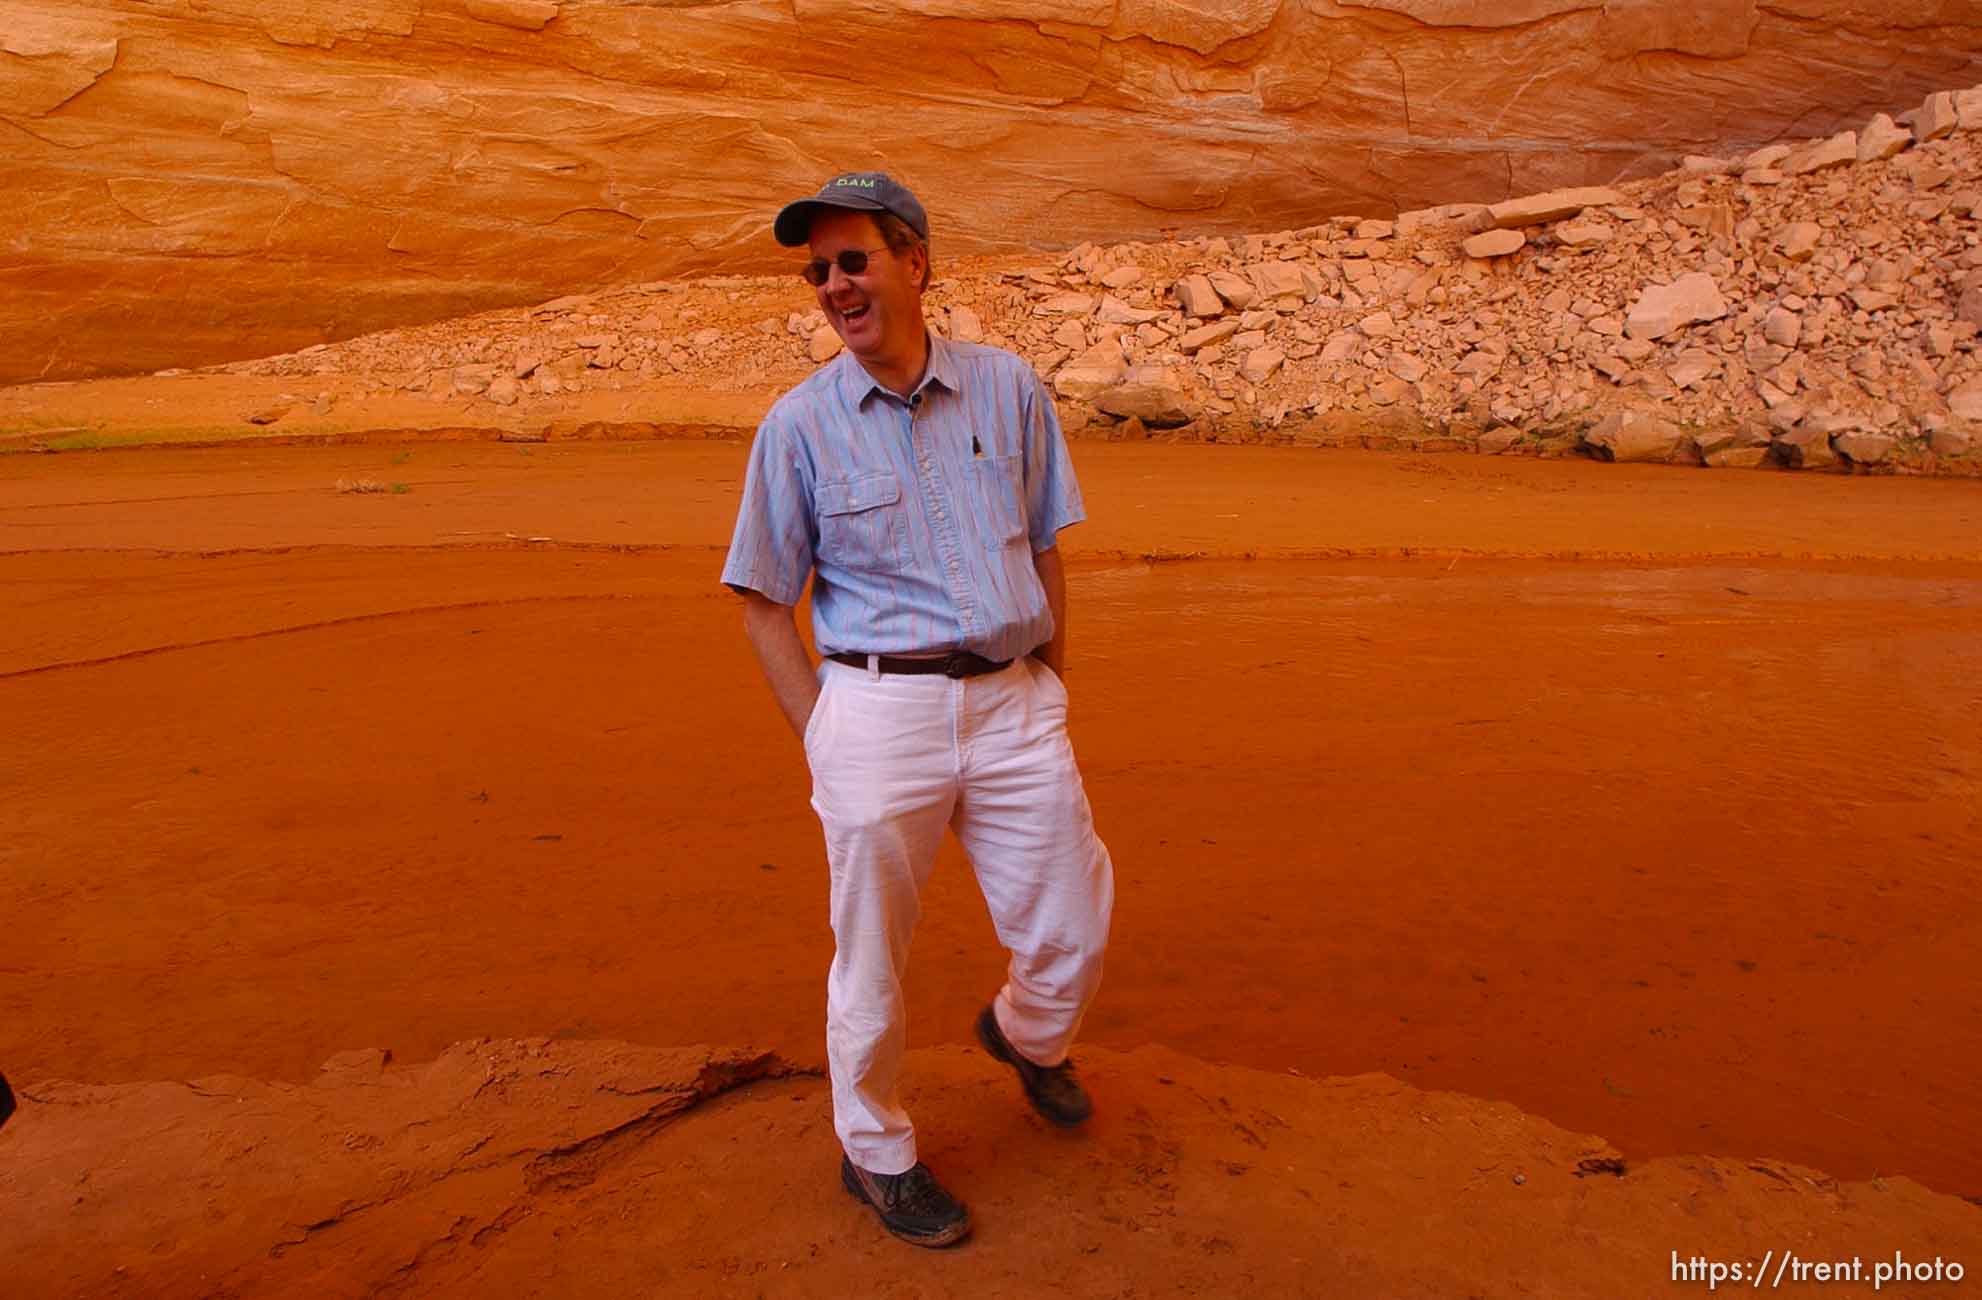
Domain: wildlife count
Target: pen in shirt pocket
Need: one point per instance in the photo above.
(976, 448)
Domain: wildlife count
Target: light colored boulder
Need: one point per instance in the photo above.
(1765, 158)
(1153, 394)
(1968, 109)
(1662, 309)
(1965, 402)
(1692, 367)
(1378, 325)
(1935, 117)
(1196, 296)
(1277, 280)
(1094, 372)
(1881, 139)
(1065, 304)
(1235, 289)
(1494, 243)
(1582, 234)
(1114, 311)
(824, 344)
(1540, 209)
(965, 327)
(1805, 447)
(1864, 448)
(1737, 457)
(1838, 150)
(1390, 391)
(1782, 327)
(1406, 367)
(1260, 364)
(1634, 437)
(1798, 240)
(1969, 307)
(1950, 441)
(1206, 335)
(473, 378)
(1122, 277)
(1373, 228)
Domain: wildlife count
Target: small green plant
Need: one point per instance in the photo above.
(403, 457)
(400, 489)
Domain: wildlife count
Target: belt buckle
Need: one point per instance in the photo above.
(956, 664)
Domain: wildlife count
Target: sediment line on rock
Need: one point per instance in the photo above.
(1807, 305)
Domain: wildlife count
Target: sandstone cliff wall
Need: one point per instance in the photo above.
(195, 180)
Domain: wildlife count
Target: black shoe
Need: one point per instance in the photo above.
(913, 1205)
(1052, 1089)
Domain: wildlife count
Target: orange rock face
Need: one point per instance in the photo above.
(196, 180)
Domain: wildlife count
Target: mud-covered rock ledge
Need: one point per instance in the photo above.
(603, 1169)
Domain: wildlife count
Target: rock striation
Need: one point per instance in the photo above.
(1735, 313)
(199, 180)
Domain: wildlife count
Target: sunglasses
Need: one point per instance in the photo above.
(851, 261)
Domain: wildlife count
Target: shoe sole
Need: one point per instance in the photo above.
(994, 1042)
(933, 1241)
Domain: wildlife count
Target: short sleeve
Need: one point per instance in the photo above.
(771, 549)
(1052, 495)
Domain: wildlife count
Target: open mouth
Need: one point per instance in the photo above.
(851, 314)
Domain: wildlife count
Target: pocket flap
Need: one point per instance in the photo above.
(847, 496)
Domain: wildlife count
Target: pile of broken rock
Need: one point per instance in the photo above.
(1809, 304)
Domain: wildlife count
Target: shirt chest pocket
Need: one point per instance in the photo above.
(860, 523)
(1001, 498)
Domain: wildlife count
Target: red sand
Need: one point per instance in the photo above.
(1677, 846)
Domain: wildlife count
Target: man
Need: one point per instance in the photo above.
(922, 483)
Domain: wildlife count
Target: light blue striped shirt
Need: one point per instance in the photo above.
(918, 517)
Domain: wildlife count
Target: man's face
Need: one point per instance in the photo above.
(878, 313)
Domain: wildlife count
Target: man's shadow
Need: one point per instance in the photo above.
(6, 1101)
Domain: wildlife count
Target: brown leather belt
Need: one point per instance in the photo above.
(958, 663)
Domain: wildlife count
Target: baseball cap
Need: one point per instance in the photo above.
(861, 191)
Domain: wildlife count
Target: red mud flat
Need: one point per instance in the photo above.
(544, 1168)
(1647, 801)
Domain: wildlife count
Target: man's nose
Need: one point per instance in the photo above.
(836, 279)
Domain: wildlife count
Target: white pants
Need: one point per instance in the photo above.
(894, 759)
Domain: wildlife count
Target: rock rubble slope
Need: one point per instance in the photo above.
(533, 1167)
(1810, 305)
(200, 180)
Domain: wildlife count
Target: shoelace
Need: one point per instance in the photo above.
(915, 1191)
(1061, 1073)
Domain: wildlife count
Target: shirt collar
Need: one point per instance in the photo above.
(856, 385)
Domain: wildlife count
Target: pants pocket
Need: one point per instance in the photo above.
(818, 713)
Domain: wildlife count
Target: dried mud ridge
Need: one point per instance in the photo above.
(598, 1168)
(1808, 306)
